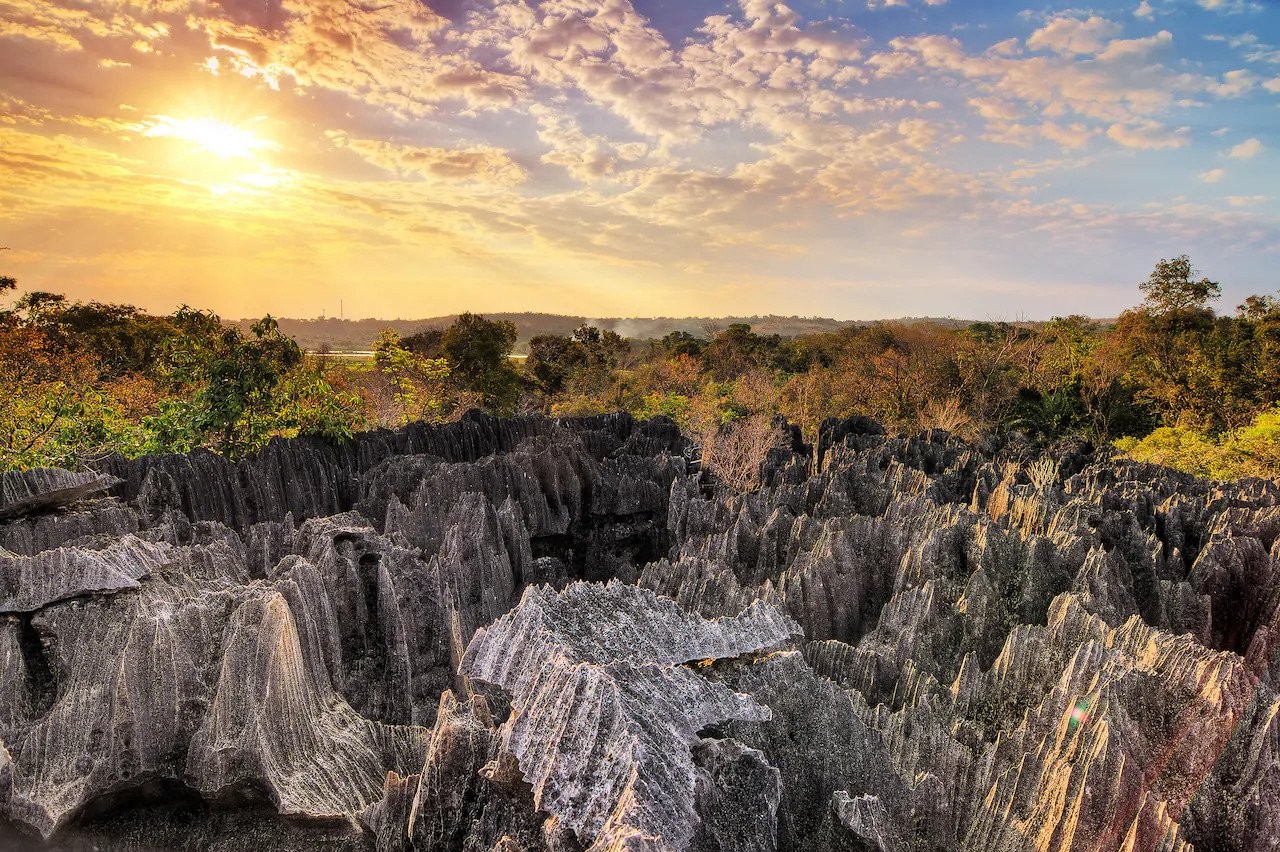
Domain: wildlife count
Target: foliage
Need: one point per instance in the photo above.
(479, 356)
(419, 385)
(1176, 382)
(235, 408)
(91, 379)
(582, 364)
(53, 412)
(1253, 450)
(735, 452)
(1173, 288)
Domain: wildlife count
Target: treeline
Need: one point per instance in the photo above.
(325, 334)
(1170, 380)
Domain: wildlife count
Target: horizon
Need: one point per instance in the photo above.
(633, 158)
(589, 320)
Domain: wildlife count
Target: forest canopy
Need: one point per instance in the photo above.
(1171, 380)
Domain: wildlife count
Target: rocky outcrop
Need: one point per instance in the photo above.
(596, 677)
(31, 583)
(41, 489)
(536, 634)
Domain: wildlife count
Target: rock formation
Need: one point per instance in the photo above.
(553, 636)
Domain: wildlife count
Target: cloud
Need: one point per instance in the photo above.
(1055, 85)
(1136, 49)
(587, 158)
(574, 140)
(1068, 136)
(1234, 84)
(756, 70)
(1230, 7)
(67, 27)
(1249, 46)
(1145, 11)
(1246, 150)
(474, 164)
(388, 54)
(888, 4)
(1072, 37)
(1149, 135)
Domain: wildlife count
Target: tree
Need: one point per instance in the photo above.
(233, 407)
(738, 349)
(683, 343)
(553, 360)
(45, 394)
(601, 348)
(478, 351)
(419, 385)
(54, 410)
(1172, 287)
(1167, 346)
(425, 343)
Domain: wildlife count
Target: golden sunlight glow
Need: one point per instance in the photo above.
(216, 137)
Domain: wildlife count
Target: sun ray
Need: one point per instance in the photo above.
(211, 135)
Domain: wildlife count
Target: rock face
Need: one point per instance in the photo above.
(547, 635)
(595, 680)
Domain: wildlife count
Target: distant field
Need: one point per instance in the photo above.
(366, 355)
(352, 337)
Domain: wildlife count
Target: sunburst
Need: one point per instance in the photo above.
(211, 135)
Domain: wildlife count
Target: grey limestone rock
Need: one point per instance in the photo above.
(597, 677)
(43, 489)
(547, 635)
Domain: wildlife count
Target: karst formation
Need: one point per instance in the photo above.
(536, 635)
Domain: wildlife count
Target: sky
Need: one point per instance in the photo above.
(855, 159)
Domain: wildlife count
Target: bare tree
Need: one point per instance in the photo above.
(735, 452)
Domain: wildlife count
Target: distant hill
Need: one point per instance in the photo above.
(355, 335)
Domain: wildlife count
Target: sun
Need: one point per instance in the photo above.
(211, 135)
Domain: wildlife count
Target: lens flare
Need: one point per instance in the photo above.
(214, 136)
(1079, 714)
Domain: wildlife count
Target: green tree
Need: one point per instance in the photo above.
(419, 385)
(425, 343)
(679, 343)
(234, 407)
(737, 350)
(553, 360)
(1173, 287)
(1167, 344)
(313, 400)
(479, 355)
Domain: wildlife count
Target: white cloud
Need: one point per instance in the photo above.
(1212, 176)
(1230, 7)
(886, 4)
(476, 164)
(1250, 46)
(1136, 49)
(1246, 150)
(1068, 136)
(1071, 36)
(1145, 11)
(1149, 135)
(995, 109)
(1234, 84)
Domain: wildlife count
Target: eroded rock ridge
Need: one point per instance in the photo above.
(557, 635)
